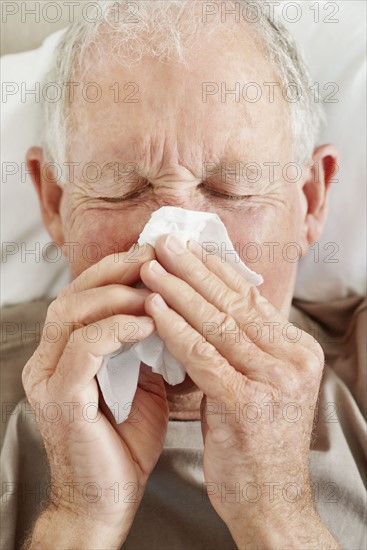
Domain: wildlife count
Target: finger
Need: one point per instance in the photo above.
(271, 317)
(222, 285)
(216, 327)
(226, 323)
(65, 315)
(224, 270)
(274, 334)
(120, 268)
(83, 355)
(203, 363)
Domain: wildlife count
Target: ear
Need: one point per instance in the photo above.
(48, 191)
(316, 191)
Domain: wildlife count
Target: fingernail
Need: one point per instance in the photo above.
(158, 302)
(175, 245)
(195, 248)
(157, 268)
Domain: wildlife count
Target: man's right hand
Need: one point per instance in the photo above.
(98, 469)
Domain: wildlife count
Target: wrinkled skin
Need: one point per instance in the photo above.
(169, 135)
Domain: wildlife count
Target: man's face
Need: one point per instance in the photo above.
(173, 147)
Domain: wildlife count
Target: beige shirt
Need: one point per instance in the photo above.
(175, 513)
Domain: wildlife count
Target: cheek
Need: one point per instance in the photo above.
(265, 238)
(268, 240)
(97, 233)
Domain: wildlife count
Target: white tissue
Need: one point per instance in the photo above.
(118, 375)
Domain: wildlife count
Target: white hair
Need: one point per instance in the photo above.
(167, 30)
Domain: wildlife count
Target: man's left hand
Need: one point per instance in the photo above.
(260, 376)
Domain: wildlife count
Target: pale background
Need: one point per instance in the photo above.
(18, 35)
(335, 53)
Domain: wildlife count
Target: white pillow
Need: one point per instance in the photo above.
(334, 268)
(334, 49)
(25, 276)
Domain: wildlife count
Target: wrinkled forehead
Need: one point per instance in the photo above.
(226, 100)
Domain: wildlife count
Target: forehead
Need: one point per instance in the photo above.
(226, 102)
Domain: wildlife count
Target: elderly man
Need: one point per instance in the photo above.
(174, 122)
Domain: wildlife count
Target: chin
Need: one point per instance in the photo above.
(187, 386)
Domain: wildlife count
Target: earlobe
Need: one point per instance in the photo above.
(48, 191)
(316, 190)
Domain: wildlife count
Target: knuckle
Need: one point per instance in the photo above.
(252, 296)
(56, 314)
(51, 309)
(248, 300)
(25, 374)
(233, 303)
(190, 295)
(117, 294)
(201, 350)
(310, 366)
(178, 331)
(197, 302)
(228, 327)
(54, 310)
(197, 272)
(239, 282)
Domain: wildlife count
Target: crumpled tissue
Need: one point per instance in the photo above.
(119, 373)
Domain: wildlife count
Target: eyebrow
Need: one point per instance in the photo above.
(239, 172)
(124, 172)
(121, 172)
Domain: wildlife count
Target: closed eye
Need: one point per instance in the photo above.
(202, 187)
(129, 196)
(224, 196)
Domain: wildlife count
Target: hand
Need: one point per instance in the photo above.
(206, 308)
(98, 469)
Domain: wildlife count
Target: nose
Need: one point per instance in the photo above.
(188, 201)
(178, 191)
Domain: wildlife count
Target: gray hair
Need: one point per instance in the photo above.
(167, 30)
